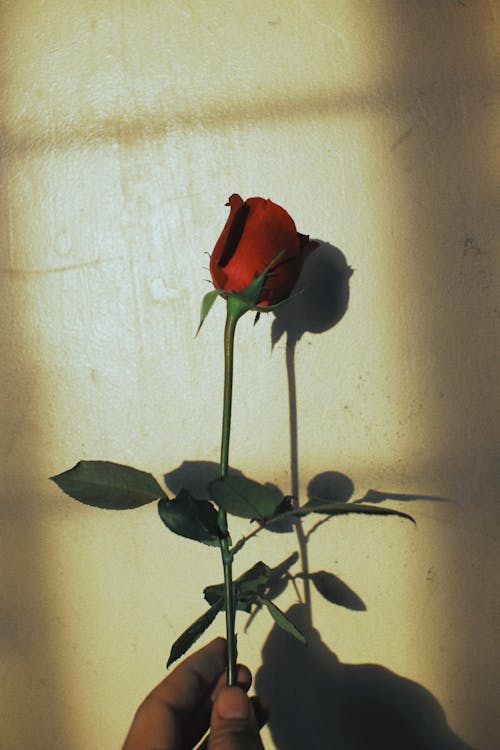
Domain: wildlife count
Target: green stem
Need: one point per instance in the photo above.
(234, 311)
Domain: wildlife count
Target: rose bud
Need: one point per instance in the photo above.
(259, 234)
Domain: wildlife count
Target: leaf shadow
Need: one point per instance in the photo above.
(375, 496)
(335, 591)
(196, 475)
(330, 586)
(344, 706)
(339, 488)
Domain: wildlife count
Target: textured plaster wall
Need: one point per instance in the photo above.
(124, 127)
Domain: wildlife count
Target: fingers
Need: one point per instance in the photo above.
(243, 680)
(194, 678)
(261, 712)
(182, 698)
(177, 712)
(233, 725)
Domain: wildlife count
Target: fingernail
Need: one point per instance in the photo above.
(233, 703)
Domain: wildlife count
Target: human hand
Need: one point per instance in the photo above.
(194, 698)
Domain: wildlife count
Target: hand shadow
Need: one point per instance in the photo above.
(317, 702)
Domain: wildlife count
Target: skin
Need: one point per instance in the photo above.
(194, 699)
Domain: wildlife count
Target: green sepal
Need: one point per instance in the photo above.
(282, 620)
(107, 485)
(243, 497)
(191, 518)
(251, 293)
(206, 305)
(191, 635)
(247, 298)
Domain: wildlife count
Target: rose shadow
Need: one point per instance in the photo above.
(346, 707)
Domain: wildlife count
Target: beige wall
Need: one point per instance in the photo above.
(125, 126)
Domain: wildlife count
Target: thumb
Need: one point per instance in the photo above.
(233, 725)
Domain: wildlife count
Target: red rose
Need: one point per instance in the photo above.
(256, 232)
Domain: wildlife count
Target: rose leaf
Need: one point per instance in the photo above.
(186, 640)
(243, 497)
(282, 620)
(191, 518)
(107, 485)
